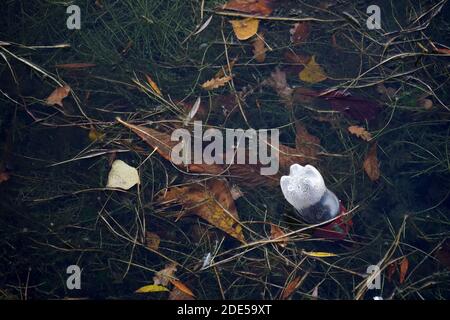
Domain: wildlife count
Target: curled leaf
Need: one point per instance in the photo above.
(151, 288)
(319, 254)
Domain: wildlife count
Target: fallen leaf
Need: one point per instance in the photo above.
(300, 32)
(276, 232)
(95, 135)
(75, 65)
(153, 85)
(182, 287)
(164, 276)
(262, 7)
(259, 48)
(278, 82)
(57, 96)
(371, 165)
(319, 254)
(390, 271)
(360, 132)
(212, 202)
(425, 103)
(152, 240)
(4, 176)
(290, 288)
(404, 264)
(177, 294)
(226, 70)
(215, 83)
(313, 72)
(442, 50)
(354, 107)
(151, 288)
(245, 28)
(296, 62)
(122, 176)
(164, 144)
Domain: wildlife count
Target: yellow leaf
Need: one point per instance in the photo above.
(57, 96)
(360, 132)
(319, 254)
(312, 72)
(215, 83)
(151, 288)
(182, 287)
(153, 85)
(245, 28)
(95, 135)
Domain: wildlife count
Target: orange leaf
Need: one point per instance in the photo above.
(153, 85)
(182, 287)
(360, 132)
(215, 83)
(276, 232)
(57, 96)
(4, 176)
(390, 271)
(290, 288)
(403, 270)
(212, 202)
(262, 7)
(177, 294)
(371, 165)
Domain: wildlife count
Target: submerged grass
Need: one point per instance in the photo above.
(55, 212)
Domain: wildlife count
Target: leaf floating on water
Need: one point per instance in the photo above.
(313, 72)
(371, 165)
(215, 83)
(122, 176)
(259, 48)
(80, 65)
(404, 265)
(151, 288)
(276, 232)
(299, 32)
(153, 85)
(212, 202)
(263, 7)
(319, 254)
(177, 294)
(164, 276)
(245, 28)
(182, 287)
(95, 135)
(57, 96)
(152, 240)
(360, 132)
(290, 288)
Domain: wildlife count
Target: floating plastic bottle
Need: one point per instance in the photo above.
(304, 188)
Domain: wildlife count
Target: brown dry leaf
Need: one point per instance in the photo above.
(259, 48)
(215, 83)
(182, 287)
(212, 201)
(152, 240)
(313, 72)
(290, 288)
(425, 103)
(404, 265)
(390, 271)
(164, 144)
(164, 276)
(278, 82)
(80, 65)
(300, 32)
(153, 85)
(371, 165)
(226, 70)
(245, 28)
(4, 176)
(177, 294)
(307, 146)
(360, 132)
(262, 7)
(57, 96)
(276, 232)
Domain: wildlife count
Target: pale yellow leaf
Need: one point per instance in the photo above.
(319, 254)
(153, 85)
(122, 176)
